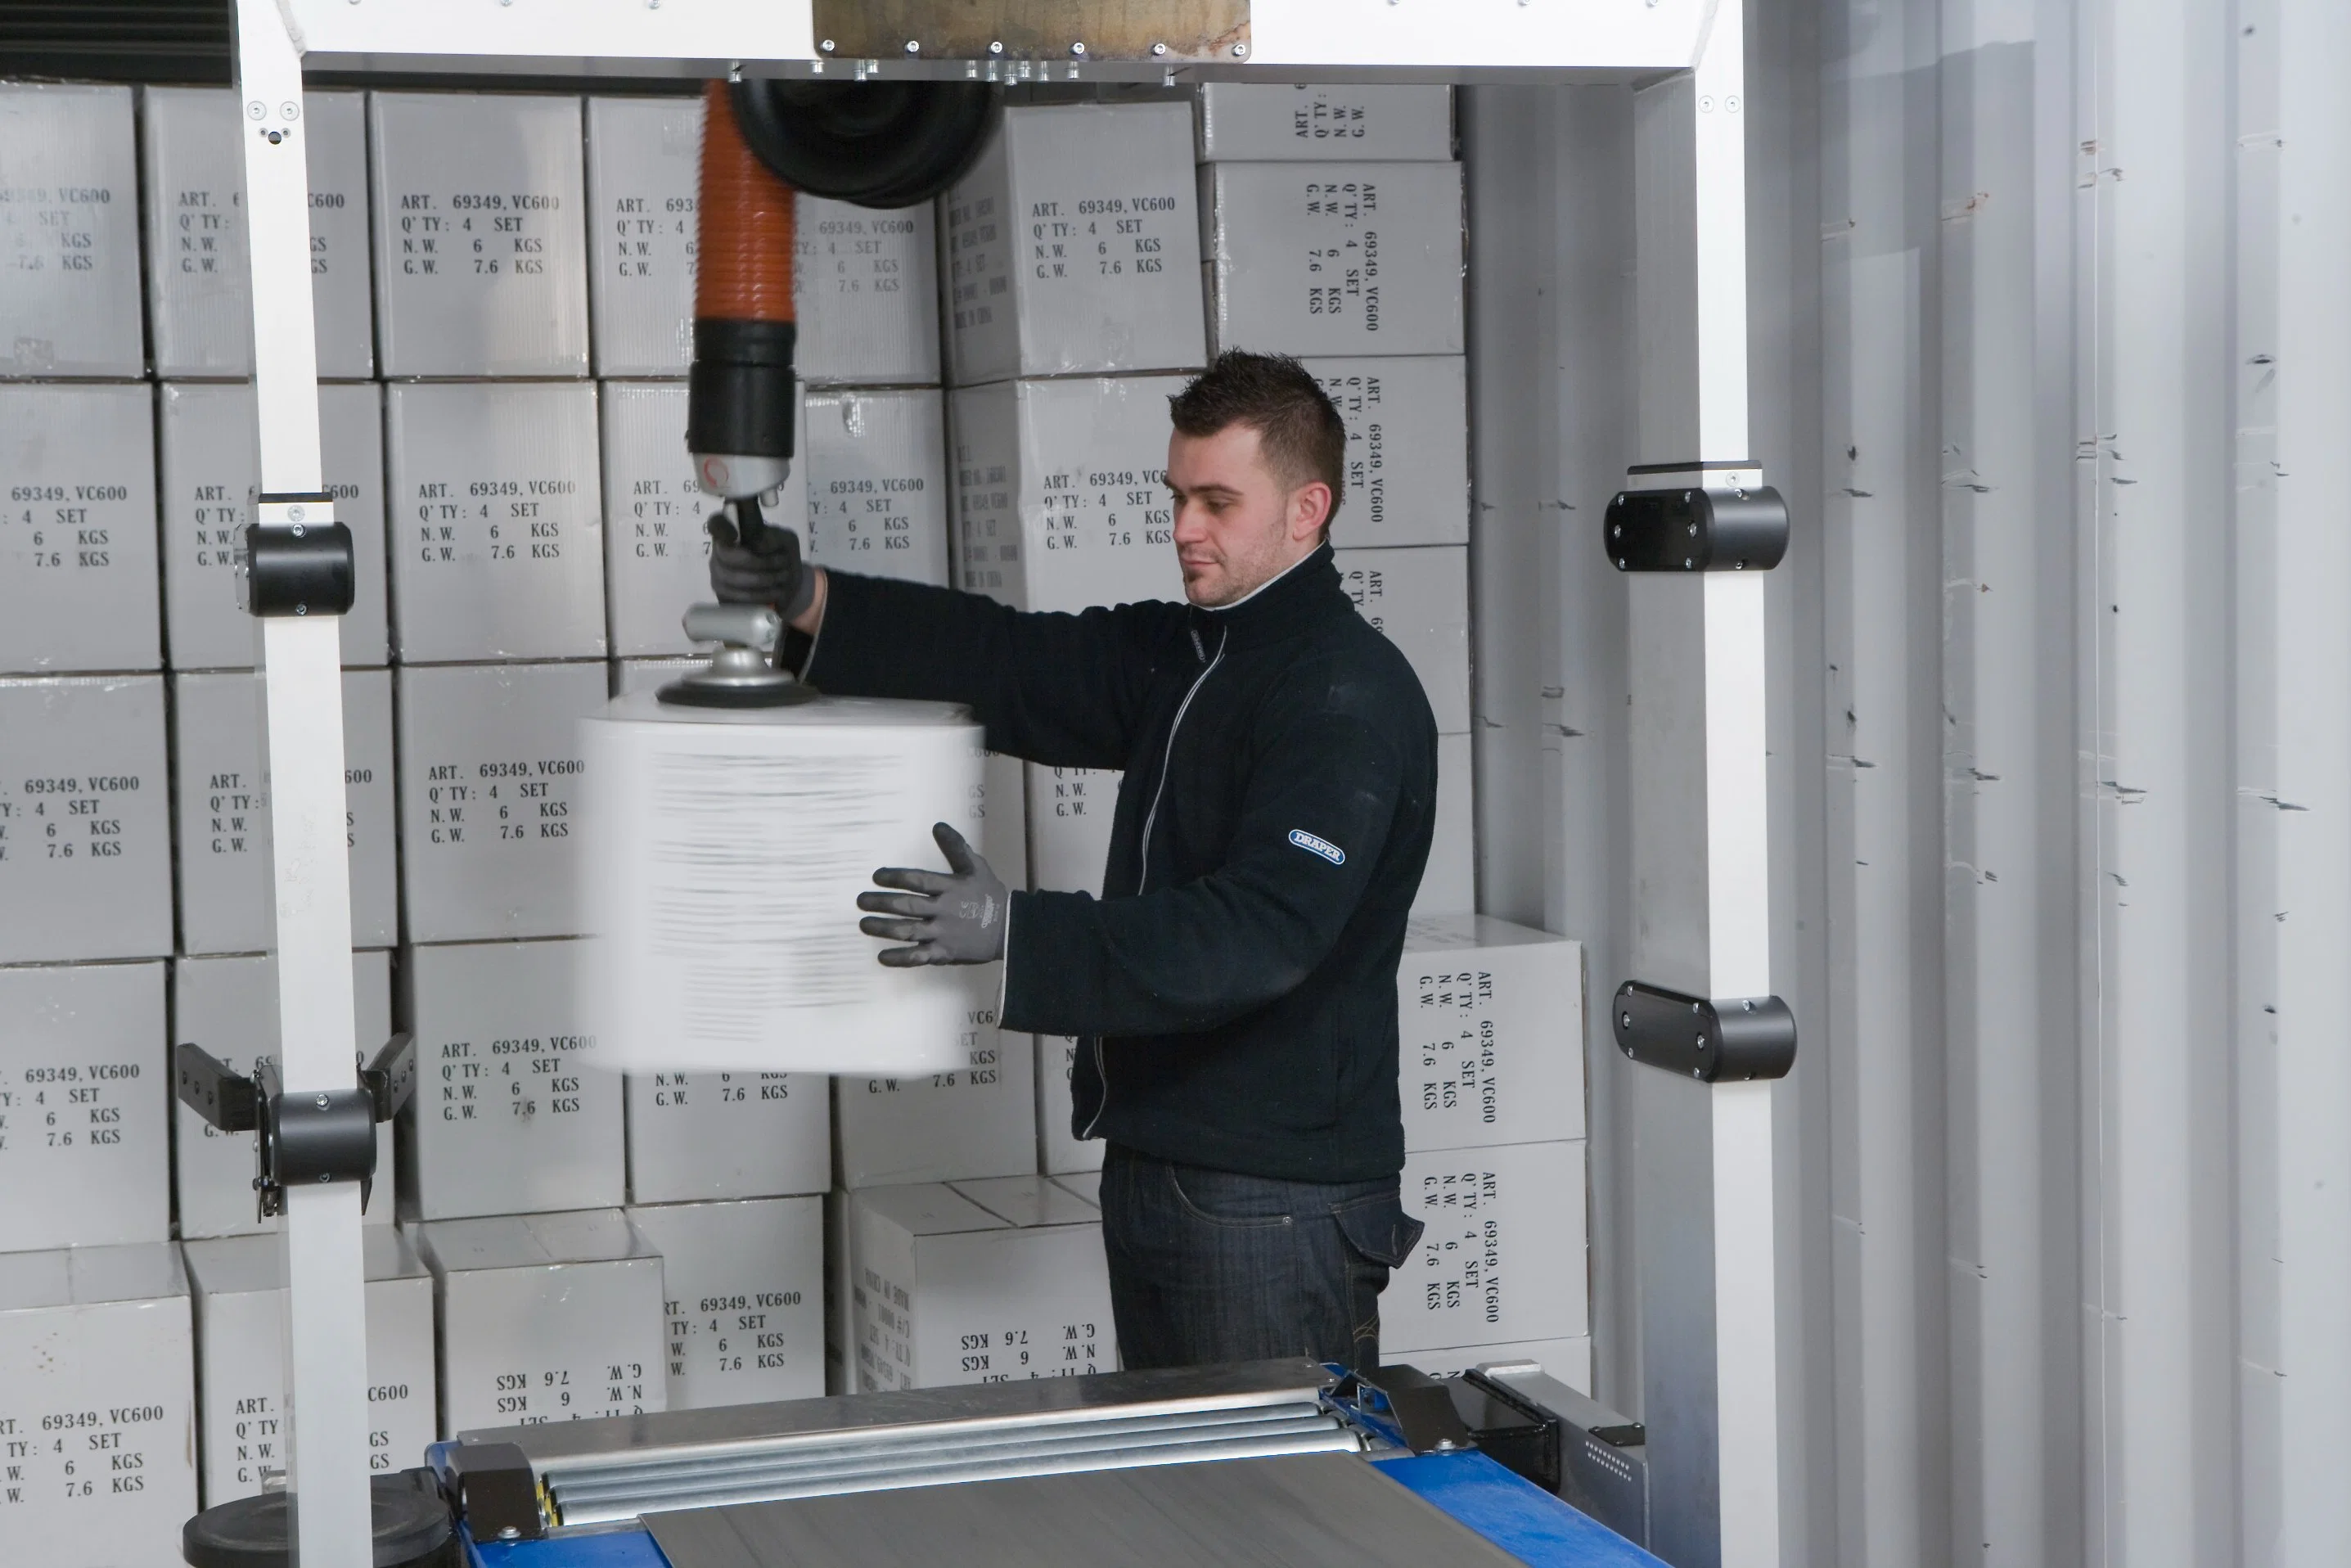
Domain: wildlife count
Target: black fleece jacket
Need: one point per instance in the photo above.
(1235, 986)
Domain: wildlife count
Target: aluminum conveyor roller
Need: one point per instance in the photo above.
(588, 1473)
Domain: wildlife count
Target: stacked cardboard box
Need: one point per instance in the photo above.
(545, 1317)
(1491, 1021)
(986, 1282)
(240, 1308)
(1335, 234)
(98, 1397)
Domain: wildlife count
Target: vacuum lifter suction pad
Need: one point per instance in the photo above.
(742, 673)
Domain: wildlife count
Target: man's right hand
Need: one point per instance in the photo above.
(766, 571)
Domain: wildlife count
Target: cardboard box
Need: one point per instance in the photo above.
(1061, 493)
(103, 1333)
(222, 789)
(658, 559)
(865, 285)
(1420, 599)
(85, 1091)
(489, 785)
(199, 277)
(508, 1116)
(1273, 121)
(77, 570)
(480, 258)
(1325, 259)
(979, 1283)
(229, 1006)
(694, 1136)
(876, 476)
(1448, 883)
(1490, 1019)
(1407, 449)
(70, 230)
(1502, 1258)
(85, 819)
(744, 1299)
(975, 1122)
(545, 1317)
(212, 466)
(645, 158)
(1569, 1359)
(1060, 1150)
(240, 1300)
(1070, 815)
(497, 532)
(1071, 246)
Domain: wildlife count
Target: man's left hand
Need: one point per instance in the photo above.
(958, 918)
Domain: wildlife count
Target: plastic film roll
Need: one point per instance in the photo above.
(724, 853)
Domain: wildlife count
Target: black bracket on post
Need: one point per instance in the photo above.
(1730, 528)
(1712, 1041)
(296, 559)
(324, 1136)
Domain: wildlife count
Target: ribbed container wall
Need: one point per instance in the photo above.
(2051, 356)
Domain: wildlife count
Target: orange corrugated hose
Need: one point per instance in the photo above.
(743, 260)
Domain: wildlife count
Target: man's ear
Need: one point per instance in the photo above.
(1310, 509)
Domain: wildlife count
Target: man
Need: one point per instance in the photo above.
(1234, 987)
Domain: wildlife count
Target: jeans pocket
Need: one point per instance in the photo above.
(1215, 1197)
(1378, 1228)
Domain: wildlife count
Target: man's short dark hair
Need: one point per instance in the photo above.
(1297, 428)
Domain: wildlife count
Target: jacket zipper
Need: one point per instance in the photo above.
(1143, 870)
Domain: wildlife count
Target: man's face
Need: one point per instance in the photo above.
(1237, 525)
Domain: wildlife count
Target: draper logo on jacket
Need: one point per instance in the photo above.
(1323, 847)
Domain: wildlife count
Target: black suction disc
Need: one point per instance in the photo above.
(698, 691)
(412, 1529)
(876, 143)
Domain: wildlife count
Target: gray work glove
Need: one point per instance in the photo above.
(958, 918)
(767, 570)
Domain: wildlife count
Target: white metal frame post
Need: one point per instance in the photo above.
(1701, 858)
(301, 669)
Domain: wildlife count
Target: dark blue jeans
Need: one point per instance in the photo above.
(1206, 1266)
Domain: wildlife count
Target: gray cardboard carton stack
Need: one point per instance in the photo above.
(1333, 215)
(1491, 1027)
(517, 270)
(495, 524)
(1073, 248)
(94, 1313)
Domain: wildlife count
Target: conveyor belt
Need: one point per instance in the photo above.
(1322, 1511)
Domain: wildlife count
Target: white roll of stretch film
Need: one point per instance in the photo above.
(724, 853)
